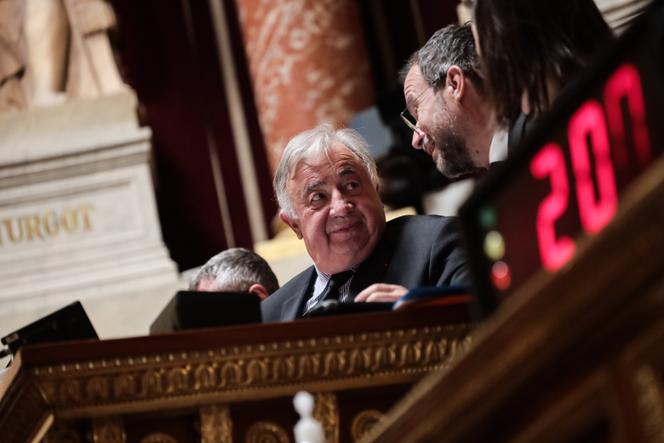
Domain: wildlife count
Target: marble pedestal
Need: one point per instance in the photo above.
(78, 219)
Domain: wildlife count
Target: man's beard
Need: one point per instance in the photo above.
(453, 160)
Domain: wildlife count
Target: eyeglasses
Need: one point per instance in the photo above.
(408, 118)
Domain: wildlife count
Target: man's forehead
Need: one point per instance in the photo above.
(335, 161)
(414, 83)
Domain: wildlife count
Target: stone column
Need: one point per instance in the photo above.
(308, 63)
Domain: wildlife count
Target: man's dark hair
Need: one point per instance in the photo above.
(451, 45)
(525, 43)
(236, 269)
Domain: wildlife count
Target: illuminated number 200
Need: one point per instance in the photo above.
(588, 123)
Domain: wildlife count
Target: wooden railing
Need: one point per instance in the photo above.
(228, 384)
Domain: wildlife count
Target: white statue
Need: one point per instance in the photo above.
(51, 50)
(307, 429)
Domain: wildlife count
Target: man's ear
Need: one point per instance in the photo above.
(259, 290)
(456, 82)
(292, 223)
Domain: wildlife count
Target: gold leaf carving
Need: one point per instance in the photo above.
(204, 377)
(333, 363)
(123, 386)
(363, 422)
(393, 355)
(354, 362)
(177, 380)
(279, 369)
(108, 430)
(308, 366)
(151, 382)
(97, 388)
(266, 432)
(216, 425)
(326, 412)
(231, 374)
(159, 437)
(256, 371)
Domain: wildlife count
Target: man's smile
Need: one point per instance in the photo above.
(346, 228)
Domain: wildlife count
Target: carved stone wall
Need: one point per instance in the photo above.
(78, 219)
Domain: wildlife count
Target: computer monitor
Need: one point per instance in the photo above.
(194, 309)
(68, 323)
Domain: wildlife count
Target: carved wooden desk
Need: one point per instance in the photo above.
(227, 384)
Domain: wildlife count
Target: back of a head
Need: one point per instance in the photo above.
(530, 45)
(236, 270)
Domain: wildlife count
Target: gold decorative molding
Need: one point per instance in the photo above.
(336, 361)
(159, 437)
(326, 412)
(363, 422)
(108, 430)
(650, 397)
(266, 432)
(216, 424)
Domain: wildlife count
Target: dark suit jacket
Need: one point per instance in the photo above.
(420, 250)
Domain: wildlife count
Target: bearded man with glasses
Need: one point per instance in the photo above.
(446, 107)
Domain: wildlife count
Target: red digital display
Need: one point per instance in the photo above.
(567, 181)
(595, 183)
(572, 184)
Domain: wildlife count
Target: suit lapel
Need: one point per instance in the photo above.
(290, 308)
(373, 269)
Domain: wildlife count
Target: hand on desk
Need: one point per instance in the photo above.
(381, 292)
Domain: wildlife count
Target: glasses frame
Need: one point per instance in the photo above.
(408, 123)
(402, 114)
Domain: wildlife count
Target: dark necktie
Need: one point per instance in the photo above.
(331, 291)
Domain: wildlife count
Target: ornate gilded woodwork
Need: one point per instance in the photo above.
(226, 374)
(216, 424)
(266, 432)
(326, 412)
(363, 422)
(108, 430)
(159, 437)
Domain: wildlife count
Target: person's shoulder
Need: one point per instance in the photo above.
(288, 288)
(271, 307)
(413, 230)
(419, 221)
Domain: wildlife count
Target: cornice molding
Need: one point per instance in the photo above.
(262, 370)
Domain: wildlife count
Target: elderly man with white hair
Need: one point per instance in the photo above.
(327, 188)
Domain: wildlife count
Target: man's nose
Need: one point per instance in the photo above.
(340, 204)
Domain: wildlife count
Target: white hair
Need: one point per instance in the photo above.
(314, 142)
